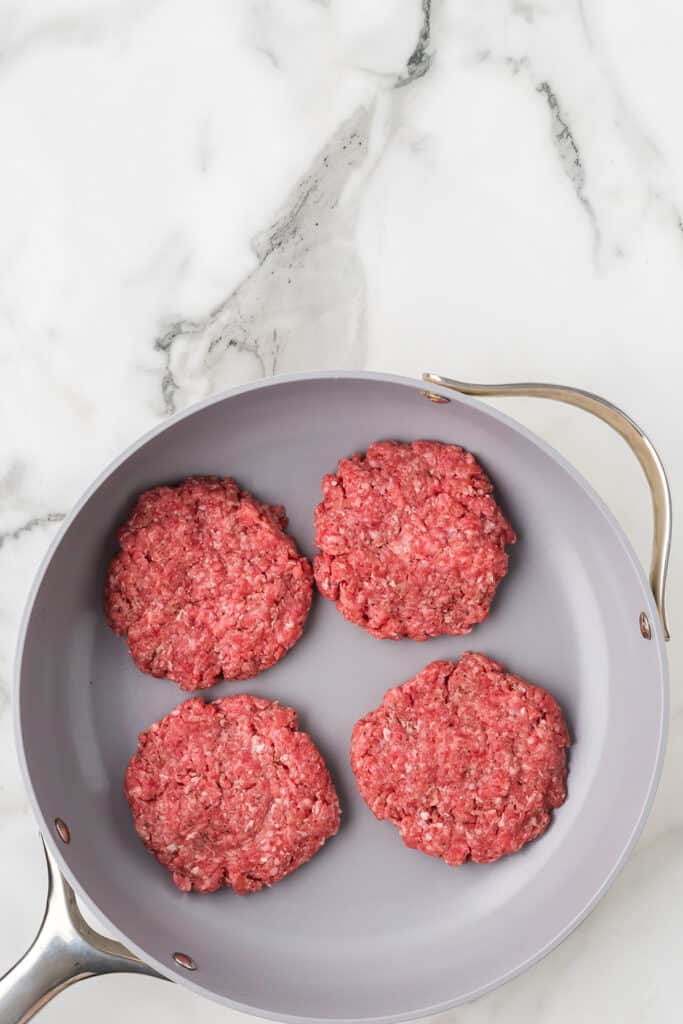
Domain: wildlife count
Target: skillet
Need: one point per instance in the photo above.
(368, 930)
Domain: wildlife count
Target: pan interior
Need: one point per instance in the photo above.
(368, 928)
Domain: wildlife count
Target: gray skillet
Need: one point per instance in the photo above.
(368, 930)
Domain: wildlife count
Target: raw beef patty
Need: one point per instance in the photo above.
(467, 760)
(412, 542)
(207, 583)
(230, 793)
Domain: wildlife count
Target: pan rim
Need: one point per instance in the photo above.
(630, 556)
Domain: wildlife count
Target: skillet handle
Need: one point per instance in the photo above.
(636, 439)
(65, 950)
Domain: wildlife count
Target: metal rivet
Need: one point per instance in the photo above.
(433, 397)
(645, 627)
(62, 830)
(183, 960)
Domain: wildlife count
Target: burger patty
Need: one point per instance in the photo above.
(207, 584)
(412, 542)
(466, 759)
(230, 793)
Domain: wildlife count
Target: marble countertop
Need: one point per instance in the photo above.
(194, 194)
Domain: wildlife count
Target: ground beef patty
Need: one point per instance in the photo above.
(412, 542)
(467, 760)
(207, 583)
(230, 793)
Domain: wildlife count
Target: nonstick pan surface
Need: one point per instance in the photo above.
(368, 929)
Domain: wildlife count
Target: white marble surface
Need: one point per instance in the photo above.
(197, 193)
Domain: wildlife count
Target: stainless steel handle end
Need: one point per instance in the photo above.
(65, 950)
(636, 439)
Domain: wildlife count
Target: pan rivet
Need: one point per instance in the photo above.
(183, 960)
(645, 627)
(433, 397)
(62, 830)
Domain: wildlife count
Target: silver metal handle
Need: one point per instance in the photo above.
(65, 950)
(636, 439)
